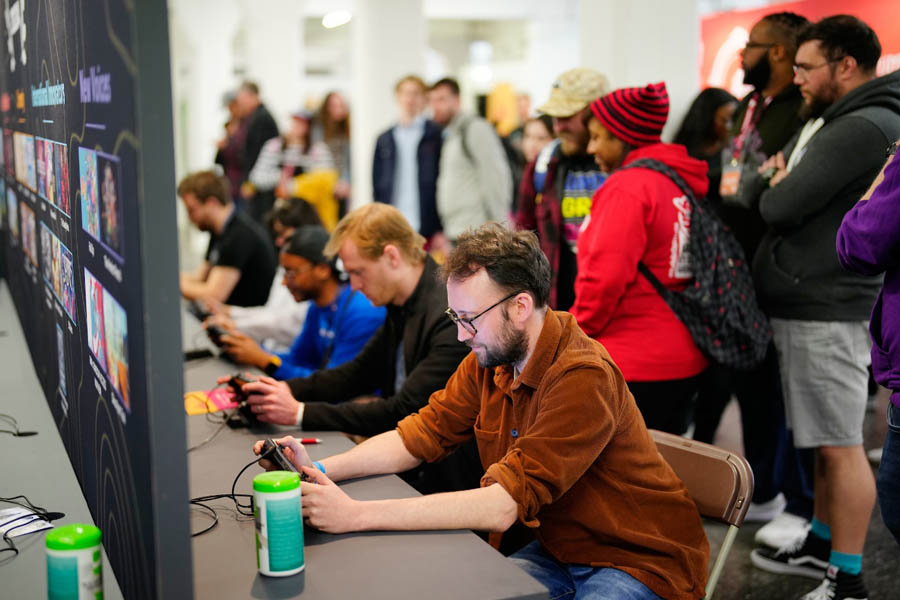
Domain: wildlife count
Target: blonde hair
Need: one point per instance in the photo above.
(374, 226)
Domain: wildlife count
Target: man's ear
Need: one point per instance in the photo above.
(779, 53)
(524, 305)
(393, 254)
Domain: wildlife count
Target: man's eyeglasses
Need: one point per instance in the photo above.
(804, 70)
(751, 45)
(467, 323)
(291, 274)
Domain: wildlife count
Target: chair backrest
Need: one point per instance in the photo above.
(720, 482)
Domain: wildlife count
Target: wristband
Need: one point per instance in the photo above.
(273, 366)
(319, 466)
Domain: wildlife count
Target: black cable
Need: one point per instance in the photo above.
(15, 424)
(199, 501)
(38, 512)
(224, 421)
(234, 485)
(212, 512)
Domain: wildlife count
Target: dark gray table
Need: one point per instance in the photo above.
(37, 466)
(373, 565)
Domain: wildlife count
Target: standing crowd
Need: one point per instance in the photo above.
(511, 315)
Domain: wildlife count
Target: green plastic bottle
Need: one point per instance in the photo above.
(279, 523)
(74, 563)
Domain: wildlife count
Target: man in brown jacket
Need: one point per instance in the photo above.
(563, 444)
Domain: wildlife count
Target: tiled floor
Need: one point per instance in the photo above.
(740, 580)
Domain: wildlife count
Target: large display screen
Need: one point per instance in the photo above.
(83, 267)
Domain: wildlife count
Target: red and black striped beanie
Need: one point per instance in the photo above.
(634, 115)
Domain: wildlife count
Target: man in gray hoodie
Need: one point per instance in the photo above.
(819, 311)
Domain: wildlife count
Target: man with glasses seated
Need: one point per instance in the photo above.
(564, 446)
(818, 310)
(338, 323)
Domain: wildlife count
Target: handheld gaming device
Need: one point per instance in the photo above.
(272, 451)
(246, 418)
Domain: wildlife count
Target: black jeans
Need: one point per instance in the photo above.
(666, 405)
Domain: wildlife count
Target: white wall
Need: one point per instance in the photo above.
(643, 41)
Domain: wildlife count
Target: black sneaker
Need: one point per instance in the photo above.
(809, 558)
(839, 585)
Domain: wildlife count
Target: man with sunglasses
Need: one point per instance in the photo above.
(565, 449)
(818, 310)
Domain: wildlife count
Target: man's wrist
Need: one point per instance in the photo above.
(271, 364)
(299, 419)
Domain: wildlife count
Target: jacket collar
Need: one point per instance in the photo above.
(417, 300)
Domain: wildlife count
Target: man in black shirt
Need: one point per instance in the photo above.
(240, 261)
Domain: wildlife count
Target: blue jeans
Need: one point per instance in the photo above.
(579, 581)
(889, 474)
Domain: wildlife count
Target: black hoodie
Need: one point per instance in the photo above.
(796, 267)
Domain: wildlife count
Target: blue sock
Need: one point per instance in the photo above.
(848, 563)
(820, 529)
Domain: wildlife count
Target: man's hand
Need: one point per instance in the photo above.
(292, 450)
(272, 401)
(244, 350)
(222, 321)
(325, 506)
(214, 307)
(777, 164)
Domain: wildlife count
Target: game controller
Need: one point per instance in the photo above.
(245, 414)
(272, 451)
(215, 334)
(196, 309)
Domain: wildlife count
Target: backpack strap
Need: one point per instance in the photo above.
(463, 131)
(661, 167)
(653, 279)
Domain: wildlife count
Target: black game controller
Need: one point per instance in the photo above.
(197, 309)
(215, 334)
(246, 418)
(272, 451)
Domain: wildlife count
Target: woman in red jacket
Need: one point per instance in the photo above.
(637, 216)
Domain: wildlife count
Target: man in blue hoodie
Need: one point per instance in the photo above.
(338, 324)
(818, 311)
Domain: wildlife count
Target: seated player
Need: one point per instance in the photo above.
(338, 323)
(565, 448)
(240, 260)
(277, 323)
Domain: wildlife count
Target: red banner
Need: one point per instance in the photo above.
(723, 35)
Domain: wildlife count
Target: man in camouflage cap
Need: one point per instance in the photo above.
(557, 187)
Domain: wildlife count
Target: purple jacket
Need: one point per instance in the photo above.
(868, 242)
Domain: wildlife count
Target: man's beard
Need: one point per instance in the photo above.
(759, 74)
(513, 345)
(818, 104)
(574, 147)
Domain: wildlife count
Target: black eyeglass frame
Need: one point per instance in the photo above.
(467, 323)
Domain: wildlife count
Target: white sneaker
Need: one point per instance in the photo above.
(765, 511)
(783, 530)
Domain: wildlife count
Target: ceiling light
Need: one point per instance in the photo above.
(336, 18)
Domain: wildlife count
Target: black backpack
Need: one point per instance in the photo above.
(719, 308)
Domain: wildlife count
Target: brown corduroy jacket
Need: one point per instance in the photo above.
(566, 440)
